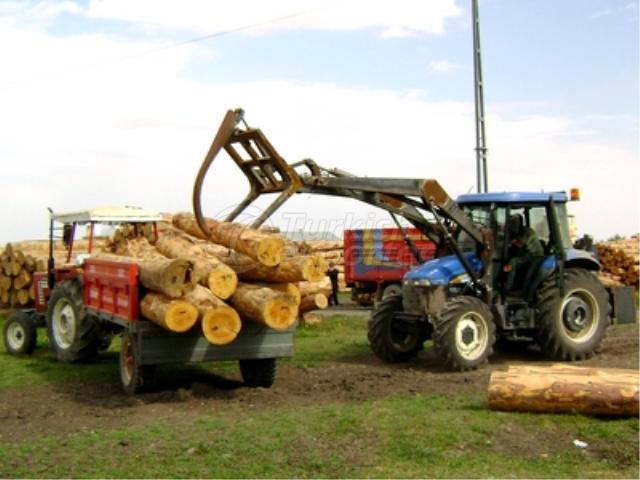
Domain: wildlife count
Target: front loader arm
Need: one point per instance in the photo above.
(268, 172)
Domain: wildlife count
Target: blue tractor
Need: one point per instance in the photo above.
(466, 301)
(505, 269)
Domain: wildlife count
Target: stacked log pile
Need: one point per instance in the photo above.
(18, 263)
(330, 251)
(620, 262)
(221, 277)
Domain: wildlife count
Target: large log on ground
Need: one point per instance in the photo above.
(263, 305)
(309, 288)
(265, 248)
(220, 323)
(173, 277)
(170, 314)
(316, 301)
(208, 270)
(564, 388)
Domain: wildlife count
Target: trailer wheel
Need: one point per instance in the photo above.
(572, 325)
(134, 378)
(72, 333)
(388, 342)
(20, 334)
(259, 372)
(464, 333)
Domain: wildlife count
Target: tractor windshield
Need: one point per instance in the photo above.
(480, 215)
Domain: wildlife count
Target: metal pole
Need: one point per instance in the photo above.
(481, 140)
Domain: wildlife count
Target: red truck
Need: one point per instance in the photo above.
(375, 260)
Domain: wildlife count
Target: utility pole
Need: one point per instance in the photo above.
(481, 138)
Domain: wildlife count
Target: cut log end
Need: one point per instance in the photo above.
(221, 325)
(281, 312)
(222, 282)
(181, 316)
(269, 251)
(178, 278)
(314, 269)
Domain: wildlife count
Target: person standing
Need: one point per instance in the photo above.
(332, 273)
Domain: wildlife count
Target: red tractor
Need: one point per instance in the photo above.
(84, 302)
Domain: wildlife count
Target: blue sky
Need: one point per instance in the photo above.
(378, 88)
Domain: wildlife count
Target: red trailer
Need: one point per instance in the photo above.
(375, 260)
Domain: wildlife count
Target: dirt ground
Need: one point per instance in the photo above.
(70, 407)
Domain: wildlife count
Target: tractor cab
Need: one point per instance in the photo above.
(531, 232)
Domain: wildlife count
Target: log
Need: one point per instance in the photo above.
(263, 305)
(289, 288)
(310, 288)
(22, 280)
(265, 248)
(173, 277)
(4, 296)
(220, 323)
(309, 319)
(317, 301)
(208, 270)
(290, 270)
(22, 297)
(5, 282)
(170, 314)
(562, 388)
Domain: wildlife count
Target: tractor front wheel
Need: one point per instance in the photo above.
(572, 325)
(72, 333)
(20, 334)
(389, 342)
(464, 333)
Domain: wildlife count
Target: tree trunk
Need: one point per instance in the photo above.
(310, 288)
(170, 314)
(289, 288)
(265, 248)
(160, 274)
(562, 388)
(316, 301)
(290, 270)
(208, 270)
(22, 296)
(22, 280)
(220, 323)
(265, 306)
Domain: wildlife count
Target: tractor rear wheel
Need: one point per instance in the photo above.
(387, 341)
(464, 333)
(572, 325)
(19, 334)
(73, 334)
(259, 372)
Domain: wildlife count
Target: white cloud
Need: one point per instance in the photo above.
(444, 66)
(134, 132)
(400, 18)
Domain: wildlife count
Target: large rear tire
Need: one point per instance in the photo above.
(464, 333)
(73, 334)
(572, 326)
(260, 372)
(19, 334)
(388, 342)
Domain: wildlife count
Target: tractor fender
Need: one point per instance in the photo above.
(574, 259)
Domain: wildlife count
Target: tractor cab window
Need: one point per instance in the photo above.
(536, 219)
(480, 215)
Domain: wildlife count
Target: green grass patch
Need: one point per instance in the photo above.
(403, 436)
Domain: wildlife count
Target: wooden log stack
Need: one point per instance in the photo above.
(331, 251)
(620, 262)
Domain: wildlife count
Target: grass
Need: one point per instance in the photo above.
(405, 435)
